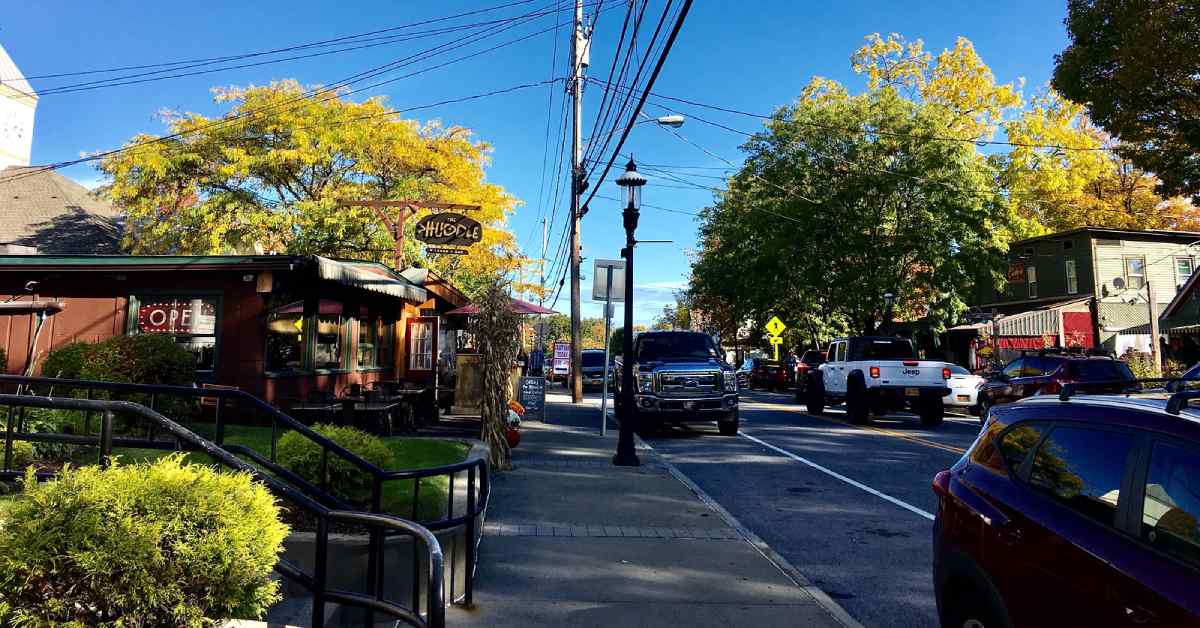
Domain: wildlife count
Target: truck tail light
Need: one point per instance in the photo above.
(874, 372)
(911, 363)
(945, 373)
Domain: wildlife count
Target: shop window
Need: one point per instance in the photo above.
(1072, 278)
(285, 339)
(330, 345)
(420, 345)
(190, 321)
(368, 342)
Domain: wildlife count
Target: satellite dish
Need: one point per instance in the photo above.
(1119, 283)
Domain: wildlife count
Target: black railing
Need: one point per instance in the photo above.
(466, 502)
(316, 582)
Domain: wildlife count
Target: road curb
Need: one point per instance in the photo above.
(822, 599)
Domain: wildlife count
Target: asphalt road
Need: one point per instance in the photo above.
(849, 506)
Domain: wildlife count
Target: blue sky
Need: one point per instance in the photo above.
(749, 56)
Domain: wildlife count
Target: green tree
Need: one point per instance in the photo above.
(269, 175)
(1134, 63)
(826, 216)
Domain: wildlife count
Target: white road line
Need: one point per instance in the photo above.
(834, 474)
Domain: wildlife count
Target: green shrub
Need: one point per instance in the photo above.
(23, 454)
(347, 481)
(1140, 363)
(141, 359)
(66, 361)
(159, 544)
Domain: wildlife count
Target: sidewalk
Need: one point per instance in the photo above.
(573, 541)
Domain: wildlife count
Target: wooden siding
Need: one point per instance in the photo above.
(1160, 267)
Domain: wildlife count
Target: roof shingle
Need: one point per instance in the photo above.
(44, 209)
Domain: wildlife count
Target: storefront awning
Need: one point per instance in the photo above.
(1144, 330)
(348, 274)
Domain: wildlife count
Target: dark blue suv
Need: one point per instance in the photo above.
(1074, 511)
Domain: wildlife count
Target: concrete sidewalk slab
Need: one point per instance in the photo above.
(573, 541)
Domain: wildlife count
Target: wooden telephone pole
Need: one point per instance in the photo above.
(396, 227)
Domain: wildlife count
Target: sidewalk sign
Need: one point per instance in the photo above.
(532, 395)
(612, 288)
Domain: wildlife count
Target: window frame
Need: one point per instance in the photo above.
(1179, 281)
(1072, 274)
(1138, 477)
(1128, 277)
(1031, 281)
(136, 298)
(345, 356)
(1127, 501)
(307, 345)
(409, 323)
(371, 323)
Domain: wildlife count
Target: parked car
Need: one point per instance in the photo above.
(743, 372)
(592, 368)
(875, 374)
(1046, 372)
(769, 375)
(1076, 513)
(964, 389)
(807, 363)
(681, 378)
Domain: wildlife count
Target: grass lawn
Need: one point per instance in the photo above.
(407, 453)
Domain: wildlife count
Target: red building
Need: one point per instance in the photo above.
(275, 326)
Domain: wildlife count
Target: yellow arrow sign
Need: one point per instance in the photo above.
(775, 326)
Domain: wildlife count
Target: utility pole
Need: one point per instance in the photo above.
(579, 46)
(1155, 354)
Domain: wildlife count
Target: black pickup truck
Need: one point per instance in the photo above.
(680, 378)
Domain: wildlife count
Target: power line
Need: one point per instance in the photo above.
(332, 92)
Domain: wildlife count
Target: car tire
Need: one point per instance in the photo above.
(972, 609)
(932, 413)
(982, 406)
(729, 426)
(858, 407)
(814, 397)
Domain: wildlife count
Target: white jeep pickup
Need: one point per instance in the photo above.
(877, 375)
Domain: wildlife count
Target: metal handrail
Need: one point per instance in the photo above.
(316, 583)
(476, 468)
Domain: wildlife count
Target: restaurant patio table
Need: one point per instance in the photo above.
(321, 410)
(383, 414)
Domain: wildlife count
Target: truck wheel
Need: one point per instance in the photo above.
(729, 425)
(858, 407)
(932, 413)
(815, 394)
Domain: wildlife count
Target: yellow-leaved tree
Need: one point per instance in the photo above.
(270, 176)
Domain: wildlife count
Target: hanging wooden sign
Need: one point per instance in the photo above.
(441, 250)
(449, 229)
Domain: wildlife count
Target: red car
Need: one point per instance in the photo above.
(1073, 511)
(769, 375)
(807, 362)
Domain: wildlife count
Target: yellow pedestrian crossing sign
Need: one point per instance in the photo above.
(775, 326)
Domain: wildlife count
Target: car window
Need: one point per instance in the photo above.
(1038, 366)
(1082, 468)
(1100, 370)
(653, 347)
(1017, 442)
(1171, 510)
(958, 370)
(812, 357)
(881, 349)
(838, 352)
(1014, 368)
(593, 358)
(832, 352)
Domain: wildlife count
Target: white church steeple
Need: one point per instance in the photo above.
(18, 102)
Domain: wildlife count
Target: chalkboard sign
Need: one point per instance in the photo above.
(533, 397)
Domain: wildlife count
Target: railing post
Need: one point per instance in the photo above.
(87, 414)
(375, 553)
(324, 468)
(106, 437)
(319, 567)
(221, 423)
(436, 617)
(469, 567)
(274, 436)
(8, 437)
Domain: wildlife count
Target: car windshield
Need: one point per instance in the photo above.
(958, 370)
(812, 357)
(883, 349)
(1101, 370)
(653, 347)
(593, 358)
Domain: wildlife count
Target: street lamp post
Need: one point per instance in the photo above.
(631, 182)
(888, 300)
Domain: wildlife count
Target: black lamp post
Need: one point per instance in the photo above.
(889, 299)
(631, 182)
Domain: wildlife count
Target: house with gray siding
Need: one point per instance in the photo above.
(1091, 282)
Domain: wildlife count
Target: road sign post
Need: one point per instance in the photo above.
(613, 272)
(774, 328)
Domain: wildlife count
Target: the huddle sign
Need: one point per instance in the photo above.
(449, 229)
